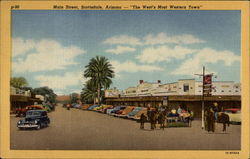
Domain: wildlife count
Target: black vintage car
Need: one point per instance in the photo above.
(34, 119)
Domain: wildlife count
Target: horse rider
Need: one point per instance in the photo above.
(215, 110)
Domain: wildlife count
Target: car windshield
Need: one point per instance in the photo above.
(33, 113)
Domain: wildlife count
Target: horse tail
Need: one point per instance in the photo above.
(228, 121)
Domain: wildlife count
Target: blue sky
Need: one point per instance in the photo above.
(51, 48)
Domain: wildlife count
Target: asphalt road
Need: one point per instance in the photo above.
(86, 130)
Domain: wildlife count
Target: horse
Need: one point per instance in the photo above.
(153, 117)
(161, 120)
(224, 119)
(210, 121)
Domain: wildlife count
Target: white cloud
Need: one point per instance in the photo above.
(21, 46)
(151, 39)
(163, 53)
(47, 55)
(123, 39)
(203, 57)
(129, 66)
(60, 82)
(120, 50)
(163, 38)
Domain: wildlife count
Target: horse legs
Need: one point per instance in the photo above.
(142, 125)
(152, 125)
(224, 127)
(162, 126)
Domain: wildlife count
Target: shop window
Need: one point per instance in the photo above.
(186, 87)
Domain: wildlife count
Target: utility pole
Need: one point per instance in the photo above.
(206, 90)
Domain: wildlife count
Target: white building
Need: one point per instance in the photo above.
(112, 92)
(220, 88)
(181, 87)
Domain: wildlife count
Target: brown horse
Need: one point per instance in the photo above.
(153, 117)
(210, 120)
(224, 119)
(161, 120)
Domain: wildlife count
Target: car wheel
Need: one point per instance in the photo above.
(38, 127)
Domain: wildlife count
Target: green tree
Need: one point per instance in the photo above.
(88, 93)
(73, 98)
(100, 72)
(18, 82)
(48, 93)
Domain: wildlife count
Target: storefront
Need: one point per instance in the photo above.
(193, 102)
(21, 101)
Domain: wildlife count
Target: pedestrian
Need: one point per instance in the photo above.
(68, 106)
(179, 110)
(143, 119)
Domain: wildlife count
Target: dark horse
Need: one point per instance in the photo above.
(153, 117)
(210, 120)
(224, 119)
(161, 120)
(157, 117)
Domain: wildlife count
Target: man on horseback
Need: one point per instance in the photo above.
(215, 110)
(214, 115)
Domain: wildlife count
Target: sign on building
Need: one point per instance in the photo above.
(207, 85)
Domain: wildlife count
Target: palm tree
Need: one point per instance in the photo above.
(100, 72)
(89, 92)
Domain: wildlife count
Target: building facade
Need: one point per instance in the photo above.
(171, 95)
(181, 87)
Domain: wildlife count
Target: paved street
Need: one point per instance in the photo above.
(86, 130)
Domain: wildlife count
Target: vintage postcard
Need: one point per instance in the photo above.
(125, 79)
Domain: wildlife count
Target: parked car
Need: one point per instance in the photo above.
(112, 111)
(102, 107)
(76, 105)
(105, 107)
(137, 116)
(105, 110)
(125, 112)
(134, 112)
(22, 112)
(109, 110)
(34, 119)
(50, 107)
(234, 115)
(98, 108)
(93, 106)
(85, 106)
(118, 110)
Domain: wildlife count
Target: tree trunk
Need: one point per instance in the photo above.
(94, 99)
(98, 94)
